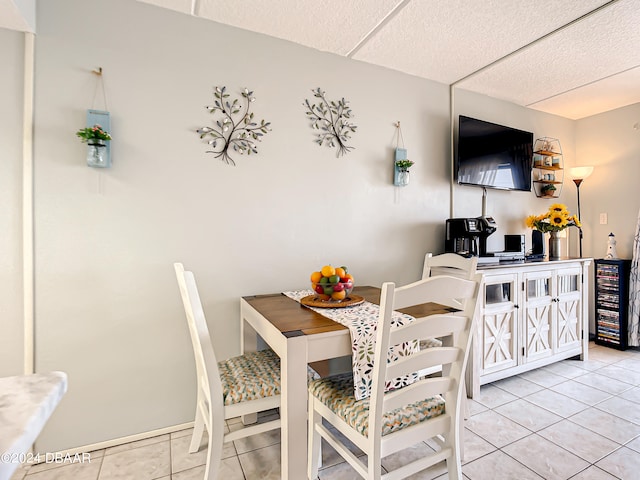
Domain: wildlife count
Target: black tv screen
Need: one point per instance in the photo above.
(493, 156)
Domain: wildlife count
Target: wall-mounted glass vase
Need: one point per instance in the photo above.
(99, 151)
(403, 178)
(97, 155)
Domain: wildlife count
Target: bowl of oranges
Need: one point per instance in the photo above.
(331, 284)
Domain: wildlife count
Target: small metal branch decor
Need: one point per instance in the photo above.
(332, 119)
(234, 127)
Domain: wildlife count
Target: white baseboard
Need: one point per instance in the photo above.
(119, 441)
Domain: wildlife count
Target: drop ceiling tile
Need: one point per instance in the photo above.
(599, 46)
(597, 97)
(447, 40)
(331, 25)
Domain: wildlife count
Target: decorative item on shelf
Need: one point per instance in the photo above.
(611, 247)
(96, 138)
(235, 128)
(553, 221)
(332, 119)
(548, 189)
(548, 168)
(579, 174)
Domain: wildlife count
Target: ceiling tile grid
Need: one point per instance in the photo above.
(448, 40)
(601, 45)
(601, 96)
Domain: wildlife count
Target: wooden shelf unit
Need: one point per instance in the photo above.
(548, 167)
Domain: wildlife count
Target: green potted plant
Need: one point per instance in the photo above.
(91, 134)
(548, 190)
(404, 165)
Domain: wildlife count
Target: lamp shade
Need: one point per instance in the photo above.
(580, 172)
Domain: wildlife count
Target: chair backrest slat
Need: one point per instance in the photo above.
(434, 289)
(433, 326)
(430, 357)
(450, 264)
(416, 392)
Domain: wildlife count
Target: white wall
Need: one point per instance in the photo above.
(107, 305)
(611, 144)
(11, 95)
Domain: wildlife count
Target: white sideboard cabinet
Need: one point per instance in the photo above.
(531, 315)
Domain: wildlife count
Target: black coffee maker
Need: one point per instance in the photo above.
(468, 236)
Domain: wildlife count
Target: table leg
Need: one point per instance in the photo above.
(293, 410)
(248, 343)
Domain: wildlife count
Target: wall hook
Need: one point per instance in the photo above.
(97, 71)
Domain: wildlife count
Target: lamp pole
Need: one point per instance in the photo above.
(578, 181)
(579, 174)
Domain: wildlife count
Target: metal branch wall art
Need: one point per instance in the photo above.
(332, 119)
(234, 127)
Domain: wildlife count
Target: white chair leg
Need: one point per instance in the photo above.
(454, 469)
(456, 440)
(315, 442)
(214, 450)
(461, 436)
(198, 430)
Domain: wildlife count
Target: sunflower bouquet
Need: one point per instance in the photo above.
(556, 219)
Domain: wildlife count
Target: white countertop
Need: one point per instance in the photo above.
(26, 403)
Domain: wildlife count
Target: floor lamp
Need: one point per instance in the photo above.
(579, 174)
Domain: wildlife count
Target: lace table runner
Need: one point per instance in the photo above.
(361, 320)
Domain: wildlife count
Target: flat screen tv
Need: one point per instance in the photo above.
(493, 156)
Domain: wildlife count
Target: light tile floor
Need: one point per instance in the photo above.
(570, 420)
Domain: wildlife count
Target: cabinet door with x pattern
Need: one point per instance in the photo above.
(538, 315)
(499, 328)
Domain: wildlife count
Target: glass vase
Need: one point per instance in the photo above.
(97, 153)
(555, 245)
(403, 178)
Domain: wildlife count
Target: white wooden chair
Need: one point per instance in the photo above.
(238, 386)
(389, 422)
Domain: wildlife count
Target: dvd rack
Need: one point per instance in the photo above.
(612, 302)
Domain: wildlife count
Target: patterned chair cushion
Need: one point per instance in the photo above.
(337, 394)
(252, 376)
(430, 343)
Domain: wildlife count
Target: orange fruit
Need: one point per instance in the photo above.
(328, 271)
(322, 296)
(340, 272)
(339, 295)
(315, 277)
(349, 276)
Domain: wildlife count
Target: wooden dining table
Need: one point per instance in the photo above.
(301, 336)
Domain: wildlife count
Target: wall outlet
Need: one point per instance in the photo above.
(603, 219)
